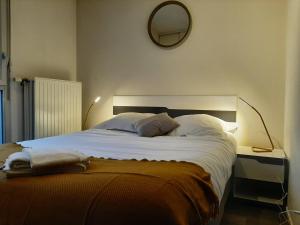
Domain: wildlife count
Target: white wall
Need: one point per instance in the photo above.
(235, 47)
(43, 43)
(43, 38)
(292, 119)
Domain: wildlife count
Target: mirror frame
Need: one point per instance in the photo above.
(157, 8)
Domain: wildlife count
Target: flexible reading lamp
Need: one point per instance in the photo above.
(91, 106)
(260, 149)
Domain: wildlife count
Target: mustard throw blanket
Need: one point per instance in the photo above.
(112, 192)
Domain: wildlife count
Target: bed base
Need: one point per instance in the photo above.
(226, 196)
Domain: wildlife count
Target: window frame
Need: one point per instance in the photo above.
(5, 67)
(5, 115)
(4, 40)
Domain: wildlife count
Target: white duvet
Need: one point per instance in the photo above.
(216, 154)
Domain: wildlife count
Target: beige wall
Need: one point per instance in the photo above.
(43, 38)
(292, 119)
(43, 43)
(235, 48)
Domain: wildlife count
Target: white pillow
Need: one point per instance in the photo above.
(229, 126)
(201, 124)
(123, 121)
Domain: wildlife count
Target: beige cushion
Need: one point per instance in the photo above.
(157, 125)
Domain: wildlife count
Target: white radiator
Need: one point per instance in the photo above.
(57, 107)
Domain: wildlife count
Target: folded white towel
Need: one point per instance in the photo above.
(17, 160)
(40, 158)
(49, 157)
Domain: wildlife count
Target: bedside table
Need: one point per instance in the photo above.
(261, 177)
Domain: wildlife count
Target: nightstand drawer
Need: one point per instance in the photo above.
(253, 169)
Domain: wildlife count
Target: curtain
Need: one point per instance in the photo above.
(28, 109)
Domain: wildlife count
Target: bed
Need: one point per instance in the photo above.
(132, 179)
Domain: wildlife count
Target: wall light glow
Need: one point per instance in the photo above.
(97, 99)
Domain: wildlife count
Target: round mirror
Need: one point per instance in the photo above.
(169, 24)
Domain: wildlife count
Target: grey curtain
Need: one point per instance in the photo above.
(28, 109)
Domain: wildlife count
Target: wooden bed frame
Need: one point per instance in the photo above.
(223, 107)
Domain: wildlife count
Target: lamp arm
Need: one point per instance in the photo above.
(262, 120)
(87, 115)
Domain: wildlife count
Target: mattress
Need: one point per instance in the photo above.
(214, 153)
(161, 180)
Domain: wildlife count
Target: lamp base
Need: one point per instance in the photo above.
(262, 150)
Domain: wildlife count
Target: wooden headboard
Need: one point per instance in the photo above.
(223, 107)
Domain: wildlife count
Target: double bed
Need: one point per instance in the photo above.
(176, 180)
